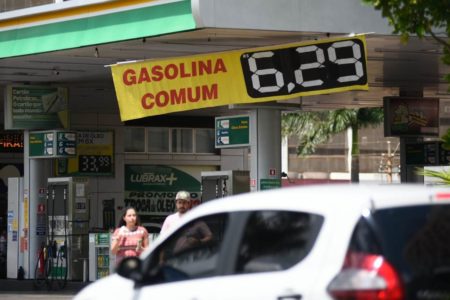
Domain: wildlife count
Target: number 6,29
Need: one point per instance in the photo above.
(268, 79)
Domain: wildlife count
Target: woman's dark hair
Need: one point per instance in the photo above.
(122, 221)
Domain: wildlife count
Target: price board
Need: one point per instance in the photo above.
(427, 154)
(52, 144)
(95, 155)
(232, 131)
(94, 163)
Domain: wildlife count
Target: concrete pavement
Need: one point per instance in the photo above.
(34, 296)
(26, 289)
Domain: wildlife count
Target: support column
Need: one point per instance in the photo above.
(408, 174)
(265, 148)
(36, 172)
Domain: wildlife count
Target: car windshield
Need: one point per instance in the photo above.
(191, 252)
(416, 240)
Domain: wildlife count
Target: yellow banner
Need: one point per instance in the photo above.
(155, 87)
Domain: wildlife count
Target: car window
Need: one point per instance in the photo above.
(416, 241)
(276, 240)
(364, 238)
(191, 252)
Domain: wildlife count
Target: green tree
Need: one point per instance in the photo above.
(419, 17)
(314, 128)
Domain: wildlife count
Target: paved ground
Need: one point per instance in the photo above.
(34, 296)
(11, 289)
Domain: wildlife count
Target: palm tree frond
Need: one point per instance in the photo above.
(443, 175)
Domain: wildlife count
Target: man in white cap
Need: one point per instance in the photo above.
(182, 203)
(195, 234)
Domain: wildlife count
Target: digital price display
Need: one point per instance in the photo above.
(305, 68)
(95, 164)
(94, 155)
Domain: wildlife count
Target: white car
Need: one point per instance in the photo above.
(318, 242)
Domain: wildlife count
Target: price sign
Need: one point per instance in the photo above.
(95, 163)
(52, 144)
(297, 69)
(427, 154)
(232, 131)
(66, 143)
(95, 155)
(277, 72)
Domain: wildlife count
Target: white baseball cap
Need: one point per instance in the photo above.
(183, 195)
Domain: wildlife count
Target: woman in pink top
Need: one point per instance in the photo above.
(129, 239)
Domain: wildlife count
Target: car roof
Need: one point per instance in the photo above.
(329, 197)
(335, 201)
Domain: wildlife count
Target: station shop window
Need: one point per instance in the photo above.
(134, 139)
(169, 140)
(182, 141)
(204, 140)
(158, 140)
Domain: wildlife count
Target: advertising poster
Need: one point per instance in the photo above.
(408, 116)
(36, 107)
(151, 190)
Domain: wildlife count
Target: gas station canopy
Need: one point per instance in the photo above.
(70, 43)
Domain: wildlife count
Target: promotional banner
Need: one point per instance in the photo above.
(155, 87)
(151, 190)
(36, 107)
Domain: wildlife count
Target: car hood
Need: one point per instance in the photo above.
(110, 287)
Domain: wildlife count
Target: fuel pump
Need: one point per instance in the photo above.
(57, 237)
(68, 225)
(219, 184)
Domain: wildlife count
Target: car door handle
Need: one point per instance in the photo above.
(290, 297)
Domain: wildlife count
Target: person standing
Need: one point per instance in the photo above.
(130, 238)
(182, 203)
(193, 235)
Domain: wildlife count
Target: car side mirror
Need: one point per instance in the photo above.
(130, 268)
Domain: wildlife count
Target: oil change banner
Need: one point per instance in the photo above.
(155, 87)
(151, 189)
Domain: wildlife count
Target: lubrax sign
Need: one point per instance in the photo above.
(151, 189)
